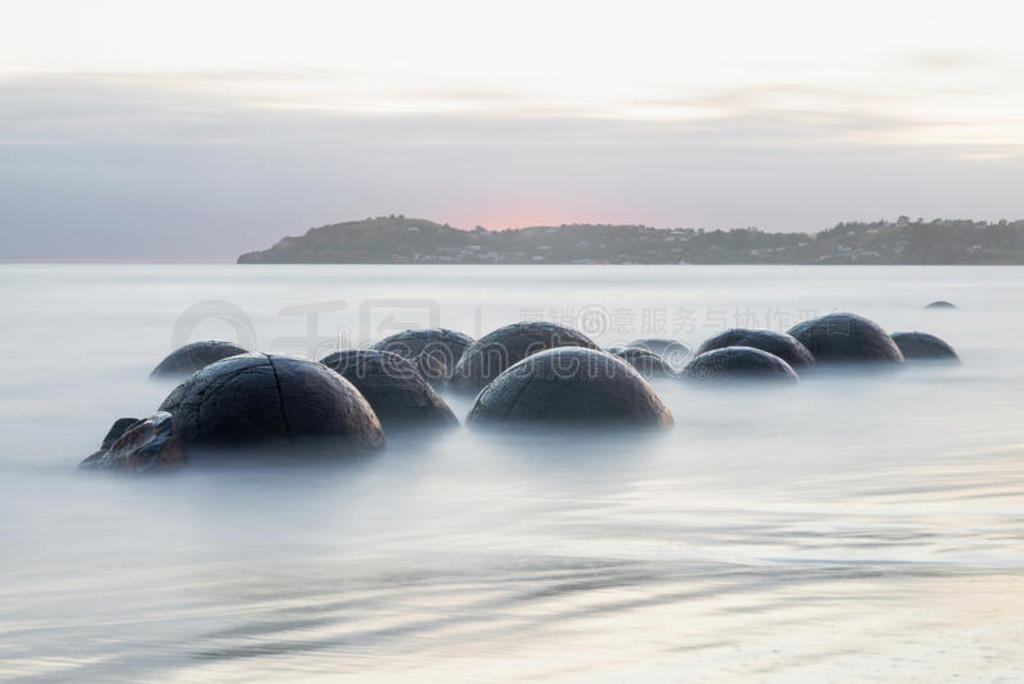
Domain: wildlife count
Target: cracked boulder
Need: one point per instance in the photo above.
(275, 401)
(846, 338)
(436, 351)
(570, 386)
(783, 345)
(492, 354)
(919, 346)
(399, 395)
(738, 363)
(185, 361)
(644, 361)
(672, 352)
(145, 445)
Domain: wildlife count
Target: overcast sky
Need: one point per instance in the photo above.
(199, 130)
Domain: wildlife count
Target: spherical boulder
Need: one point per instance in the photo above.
(187, 360)
(919, 346)
(845, 338)
(399, 395)
(492, 354)
(646, 362)
(940, 304)
(436, 350)
(274, 401)
(672, 352)
(570, 386)
(785, 346)
(738, 363)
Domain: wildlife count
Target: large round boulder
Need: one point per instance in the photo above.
(672, 352)
(919, 346)
(274, 401)
(492, 354)
(646, 362)
(399, 395)
(567, 386)
(187, 360)
(845, 338)
(738, 363)
(436, 351)
(785, 346)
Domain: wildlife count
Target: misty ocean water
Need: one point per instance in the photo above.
(854, 527)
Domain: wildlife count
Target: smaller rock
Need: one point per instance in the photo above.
(846, 338)
(940, 304)
(570, 386)
(919, 346)
(397, 392)
(786, 347)
(436, 351)
(185, 361)
(672, 352)
(738, 363)
(149, 444)
(119, 427)
(646, 362)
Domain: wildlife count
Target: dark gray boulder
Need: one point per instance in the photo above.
(436, 351)
(919, 346)
(273, 401)
(149, 444)
(845, 338)
(783, 345)
(672, 352)
(570, 385)
(188, 359)
(738, 363)
(492, 354)
(399, 395)
(940, 304)
(646, 362)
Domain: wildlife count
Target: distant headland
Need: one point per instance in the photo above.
(396, 239)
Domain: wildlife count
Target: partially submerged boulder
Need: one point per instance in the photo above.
(274, 401)
(782, 345)
(146, 445)
(570, 385)
(399, 395)
(187, 360)
(919, 346)
(846, 338)
(940, 304)
(493, 353)
(436, 351)
(738, 363)
(646, 362)
(672, 352)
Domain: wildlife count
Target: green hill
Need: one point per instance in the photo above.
(396, 239)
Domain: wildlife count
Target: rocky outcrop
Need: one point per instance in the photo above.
(145, 445)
